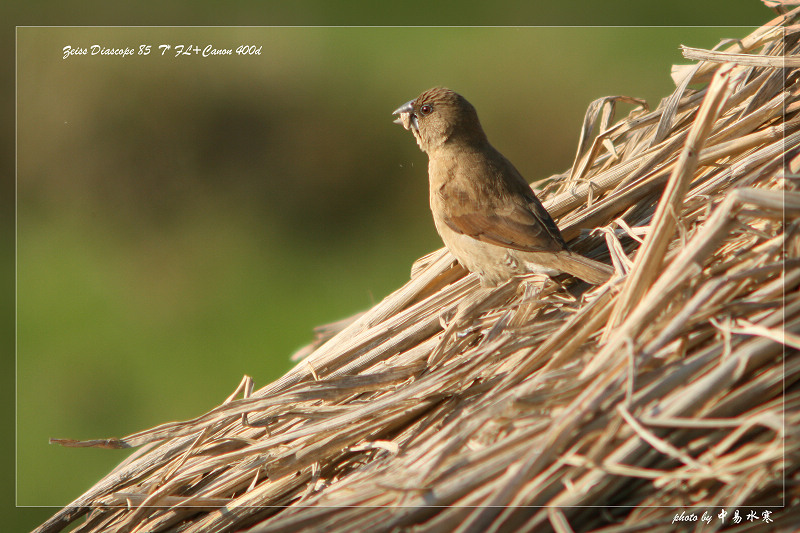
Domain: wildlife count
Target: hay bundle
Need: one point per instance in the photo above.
(449, 407)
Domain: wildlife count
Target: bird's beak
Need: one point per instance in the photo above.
(408, 107)
(407, 118)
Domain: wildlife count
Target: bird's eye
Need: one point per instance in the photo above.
(425, 109)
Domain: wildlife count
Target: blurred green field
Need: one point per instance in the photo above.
(185, 221)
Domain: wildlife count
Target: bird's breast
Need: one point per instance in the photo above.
(494, 264)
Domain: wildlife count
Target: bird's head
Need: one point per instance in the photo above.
(439, 116)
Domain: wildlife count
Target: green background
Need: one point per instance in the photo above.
(181, 222)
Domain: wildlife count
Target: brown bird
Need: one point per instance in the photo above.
(484, 210)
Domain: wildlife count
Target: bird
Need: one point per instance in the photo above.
(485, 212)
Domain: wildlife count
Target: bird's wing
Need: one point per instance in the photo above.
(527, 227)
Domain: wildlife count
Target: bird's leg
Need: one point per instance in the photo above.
(447, 315)
(532, 287)
(533, 284)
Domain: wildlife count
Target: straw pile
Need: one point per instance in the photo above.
(447, 407)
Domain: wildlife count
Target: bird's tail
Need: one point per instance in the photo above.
(588, 270)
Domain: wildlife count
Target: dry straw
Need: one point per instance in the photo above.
(543, 404)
